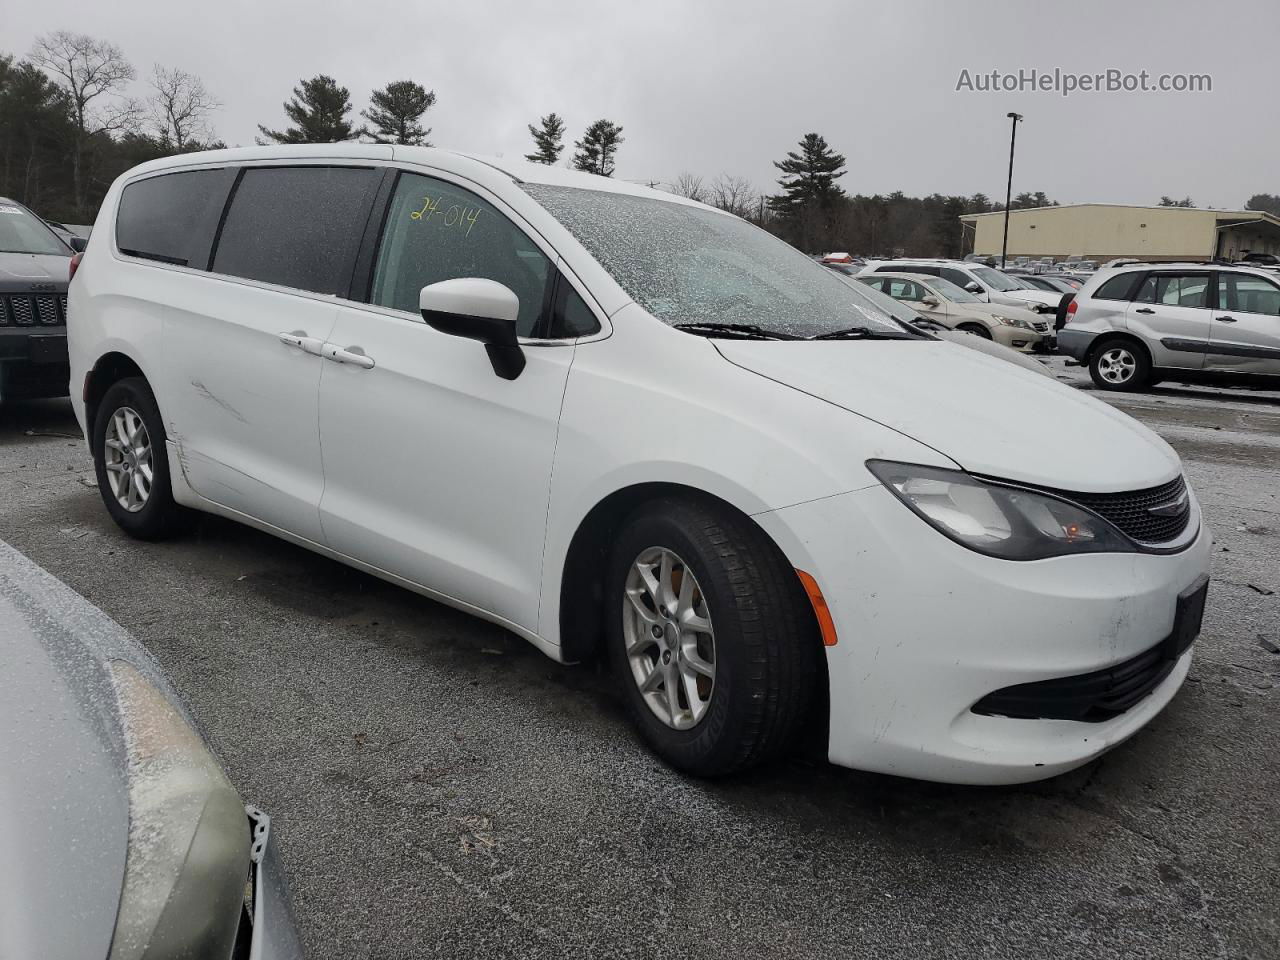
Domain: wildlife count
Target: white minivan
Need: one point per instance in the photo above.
(623, 424)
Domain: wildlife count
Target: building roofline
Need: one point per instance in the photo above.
(1220, 214)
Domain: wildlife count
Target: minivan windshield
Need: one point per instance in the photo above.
(20, 232)
(689, 266)
(996, 280)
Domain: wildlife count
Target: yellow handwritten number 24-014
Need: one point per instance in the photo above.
(454, 216)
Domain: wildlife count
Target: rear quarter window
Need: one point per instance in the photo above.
(1120, 287)
(167, 218)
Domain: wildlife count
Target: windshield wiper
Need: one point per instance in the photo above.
(747, 331)
(860, 333)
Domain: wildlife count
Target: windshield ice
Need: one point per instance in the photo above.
(22, 233)
(686, 264)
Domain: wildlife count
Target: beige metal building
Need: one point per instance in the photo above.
(1103, 231)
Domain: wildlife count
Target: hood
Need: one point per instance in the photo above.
(1034, 296)
(988, 416)
(993, 349)
(64, 800)
(19, 270)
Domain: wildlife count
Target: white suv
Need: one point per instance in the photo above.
(1137, 324)
(986, 283)
(626, 425)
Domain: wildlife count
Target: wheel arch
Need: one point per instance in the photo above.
(112, 367)
(582, 624)
(1133, 339)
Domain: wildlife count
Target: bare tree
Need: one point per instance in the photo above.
(734, 194)
(180, 107)
(689, 185)
(89, 70)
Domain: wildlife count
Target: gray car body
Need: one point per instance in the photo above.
(64, 789)
(40, 349)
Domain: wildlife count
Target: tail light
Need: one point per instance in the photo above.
(1071, 310)
(75, 263)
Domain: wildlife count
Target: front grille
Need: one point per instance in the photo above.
(22, 310)
(1130, 512)
(1041, 327)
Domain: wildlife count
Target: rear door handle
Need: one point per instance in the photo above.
(1226, 319)
(300, 340)
(353, 356)
(1144, 310)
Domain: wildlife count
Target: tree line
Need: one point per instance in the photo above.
(69, 126)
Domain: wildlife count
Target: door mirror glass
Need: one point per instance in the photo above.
(78, 244)
(477, 309)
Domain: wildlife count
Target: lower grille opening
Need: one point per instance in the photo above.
(1088, 697)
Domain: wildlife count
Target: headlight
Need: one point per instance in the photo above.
(188, 857)
(1012, 322)
(1006, 522)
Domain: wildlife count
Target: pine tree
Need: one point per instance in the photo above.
(548, 140)
(395, 112)
(319, 111)
(809, 178)
(596, 150)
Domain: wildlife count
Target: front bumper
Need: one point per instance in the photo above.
(275, 933)
(928, 628)
(33, 362)
(1022, 339)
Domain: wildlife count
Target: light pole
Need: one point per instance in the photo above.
(1008, 194)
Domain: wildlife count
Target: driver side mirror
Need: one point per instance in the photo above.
(477, 309)
(930, 301)
(78, 244)
(973, 286)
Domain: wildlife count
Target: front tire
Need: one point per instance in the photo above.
(711, 637)
(131, 462)
(1119, 364)
(977, 329)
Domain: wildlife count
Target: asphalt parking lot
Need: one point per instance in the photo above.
(442, 789)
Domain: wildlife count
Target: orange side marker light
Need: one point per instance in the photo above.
(820, 609)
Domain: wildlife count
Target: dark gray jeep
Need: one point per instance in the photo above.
(35, 267)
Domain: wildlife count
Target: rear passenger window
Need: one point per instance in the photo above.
(296, 226)
(165, 218)
(1118, 288)
(1175, 289)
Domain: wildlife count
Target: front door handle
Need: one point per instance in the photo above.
(1144, 310)
(1225, 319)
(353, 356)
(300, 340)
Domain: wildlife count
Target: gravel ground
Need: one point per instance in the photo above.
(442, 789)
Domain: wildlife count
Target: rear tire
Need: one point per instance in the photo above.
(130, 458)
(1120, 364)
(976, 329)
(726, 599)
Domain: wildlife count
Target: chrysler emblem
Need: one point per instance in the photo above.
(1170, 509)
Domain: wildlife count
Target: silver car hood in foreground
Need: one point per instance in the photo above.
(64, 796)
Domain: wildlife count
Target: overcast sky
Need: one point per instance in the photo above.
(730, 85)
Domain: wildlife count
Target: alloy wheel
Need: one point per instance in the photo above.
(669, 638)
(1117, 365)
(128, 459)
